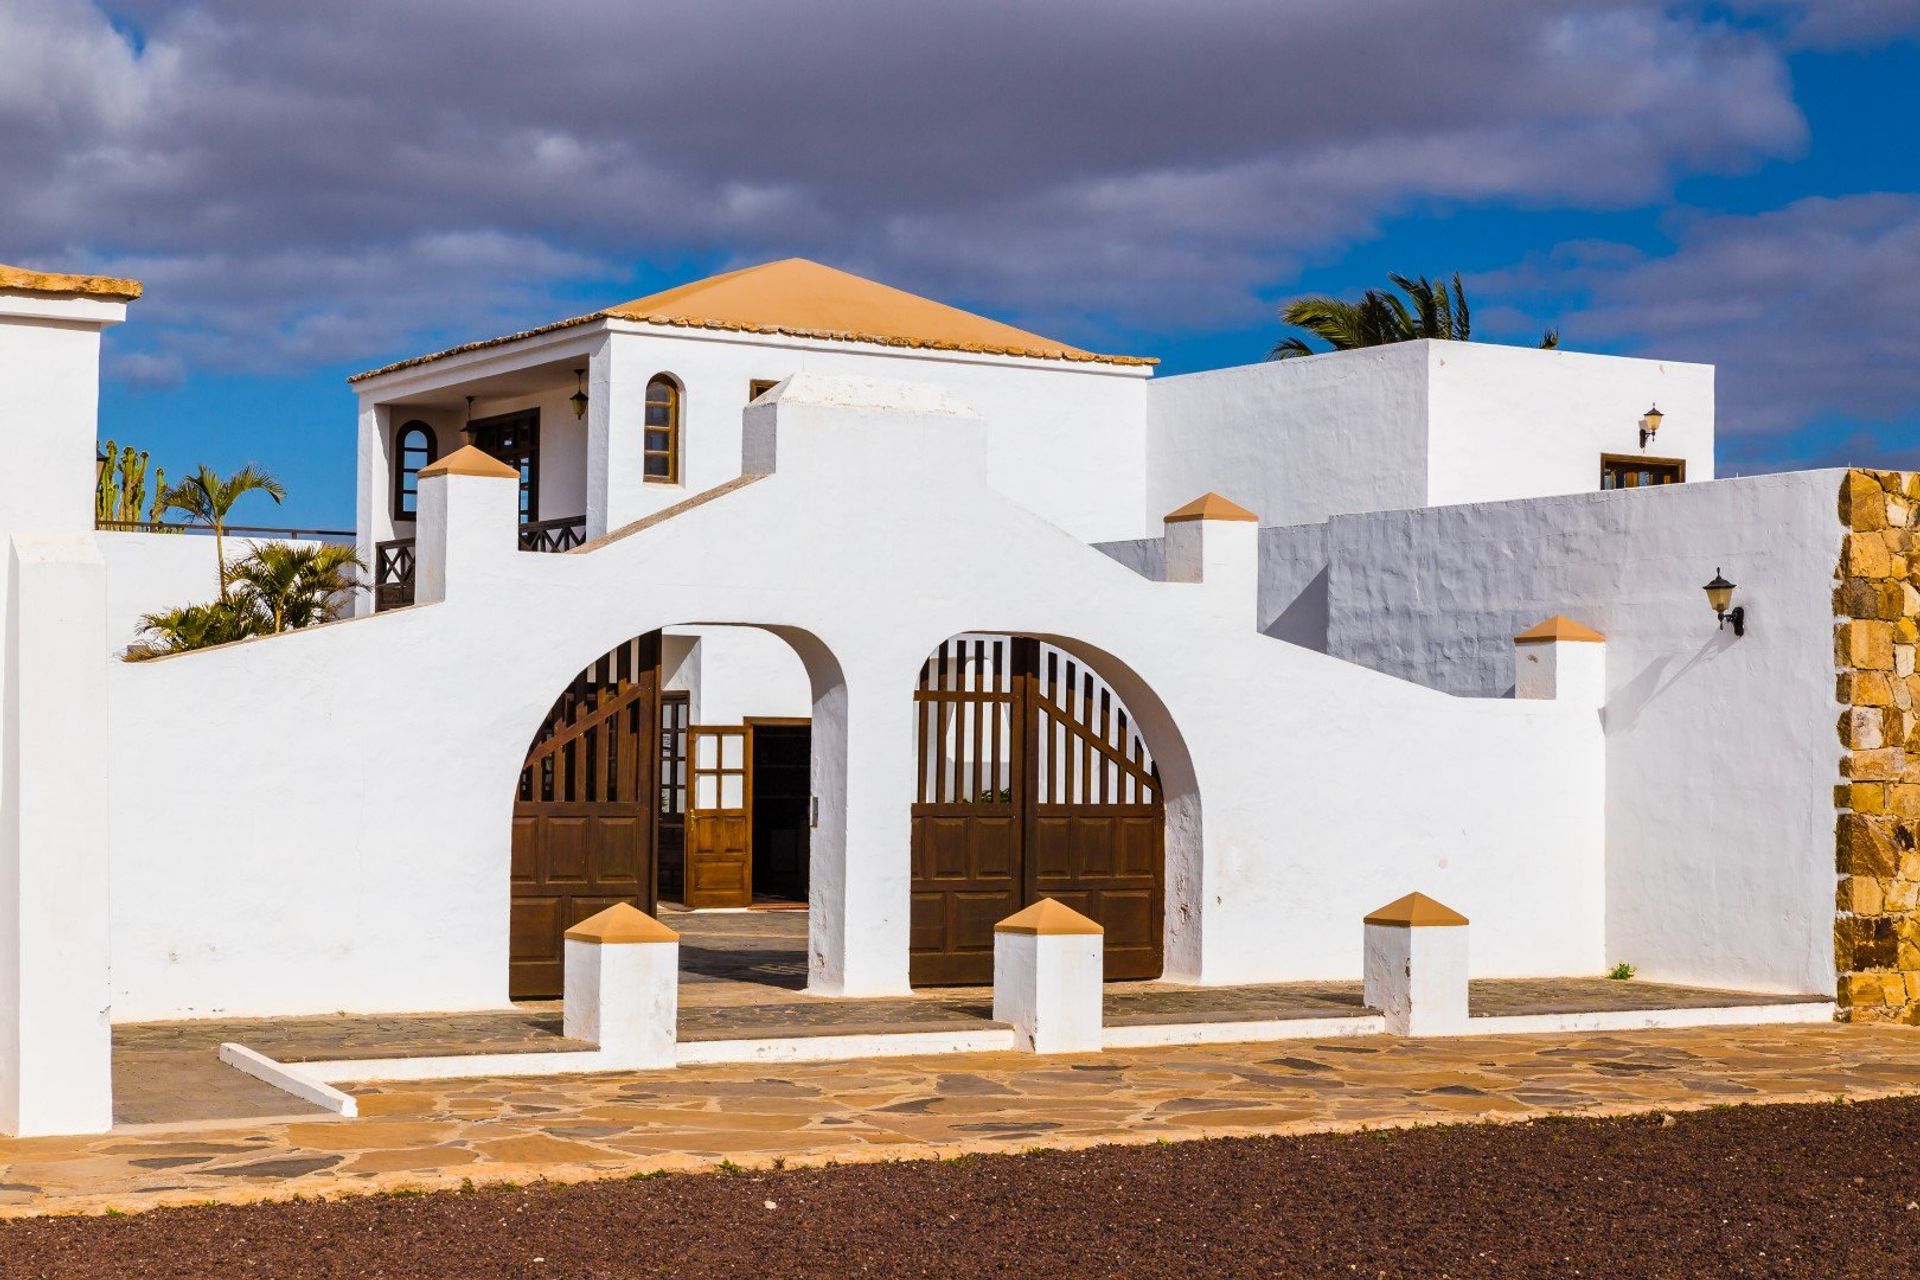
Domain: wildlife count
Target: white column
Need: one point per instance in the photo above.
(860, 891)
(373, 493)
(1215, 544)
(1562, 660)
(469, 521)
(55, 1038)
(1416, 967)
(622, 987)
(1047, 977)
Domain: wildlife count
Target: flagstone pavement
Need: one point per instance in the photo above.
(423, 1136)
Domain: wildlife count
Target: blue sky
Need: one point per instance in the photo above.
(311, 191)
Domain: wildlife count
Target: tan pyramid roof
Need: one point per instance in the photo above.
(804, 299)
(1413, 910)
(1211, 506)
(1047, 917)
(1559, 627)
(622, 922)
(470, 460)
(21, 280)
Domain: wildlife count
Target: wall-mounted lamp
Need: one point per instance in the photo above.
(579, 397)
(1719, 596)
(467, 426)
(1650, 425)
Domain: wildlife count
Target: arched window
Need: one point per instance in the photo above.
(413, 449)
(662, 443)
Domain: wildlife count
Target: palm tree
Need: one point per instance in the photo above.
(207, 497)
(193, 626)
(292, 586)
(1430, 310)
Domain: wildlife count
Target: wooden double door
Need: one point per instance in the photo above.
(1034, 782)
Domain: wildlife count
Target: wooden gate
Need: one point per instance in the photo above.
(1033, 782)
(583, 820)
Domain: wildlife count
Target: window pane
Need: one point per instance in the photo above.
(706, 792)
(733, 791)
(657, 465)
(658, 415)
(706, 751)
(733, 752)
(657, 441)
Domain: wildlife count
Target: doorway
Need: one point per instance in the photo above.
(782, 804)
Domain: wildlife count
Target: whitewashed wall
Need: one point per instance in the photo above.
(1414, 424)
(1514, 422)
(1721, 752)
(1303, 791)
(736, 672)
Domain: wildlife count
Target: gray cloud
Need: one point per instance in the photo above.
(331, 181)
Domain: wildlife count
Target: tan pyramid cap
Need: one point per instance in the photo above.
(621, 922)
(1415, 910)
(1211, 506)
(1047, 917)
(20, 280)
(1559, 627)
(804, 299)
(468, 460)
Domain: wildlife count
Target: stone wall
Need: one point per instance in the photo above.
(1876, 627)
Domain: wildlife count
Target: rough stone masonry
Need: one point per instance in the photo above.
(1876, 604)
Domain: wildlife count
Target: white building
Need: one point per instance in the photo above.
(787, 584)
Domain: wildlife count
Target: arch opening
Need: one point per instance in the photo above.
(634, 789)
(1037, 778)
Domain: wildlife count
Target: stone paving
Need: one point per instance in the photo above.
(497, 1130)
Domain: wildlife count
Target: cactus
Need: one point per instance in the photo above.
(133, 484)
(159, 495)
(104, 495)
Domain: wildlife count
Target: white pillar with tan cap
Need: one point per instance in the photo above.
(623, 987)
(1048, 970)
(1563, 660)
(469, 519)
(1416, 966)
(1215, 543)
(55, 985)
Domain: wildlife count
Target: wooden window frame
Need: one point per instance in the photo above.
(403, 474)
(757, 387)
(678, 416)
(1638, 461)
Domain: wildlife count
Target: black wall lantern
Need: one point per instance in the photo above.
(1650, 425)
(1719, 596)
(579, 397)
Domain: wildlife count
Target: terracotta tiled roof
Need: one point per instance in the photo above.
(803, 299)
(22, 280)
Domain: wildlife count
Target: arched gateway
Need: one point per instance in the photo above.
(1034, 781)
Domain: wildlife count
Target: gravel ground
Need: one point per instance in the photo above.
(1829, 1190)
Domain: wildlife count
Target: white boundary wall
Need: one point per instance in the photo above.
(1721, 752)
(152, 572)
(1302, 790)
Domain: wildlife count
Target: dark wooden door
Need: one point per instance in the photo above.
(719, 854)
(782, 809)
(1033, 782)
(583, 821)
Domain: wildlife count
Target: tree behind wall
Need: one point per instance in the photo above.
(207, 497)
(1430, 309)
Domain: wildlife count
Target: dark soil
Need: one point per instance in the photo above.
(1826, 1190)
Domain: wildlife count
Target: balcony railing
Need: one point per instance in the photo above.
(232, 530)
(393, 561)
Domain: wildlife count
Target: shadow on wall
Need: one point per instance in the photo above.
(1305, 619)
